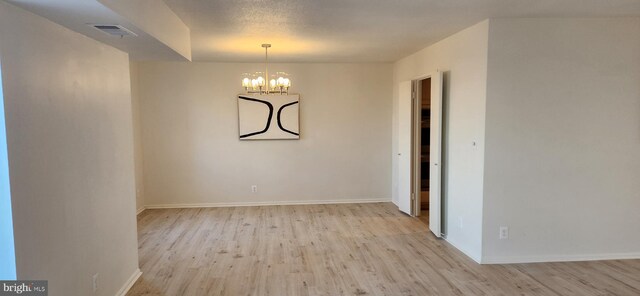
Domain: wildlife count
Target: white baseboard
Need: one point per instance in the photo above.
(558, 258)
(132, 280)
(140, 210)
(464, 251)
(265, 203)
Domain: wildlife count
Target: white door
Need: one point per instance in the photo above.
(435, 156)
(404, 147)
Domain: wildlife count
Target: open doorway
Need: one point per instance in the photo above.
(419, 149)
(423, 140)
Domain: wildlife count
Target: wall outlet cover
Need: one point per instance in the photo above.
(95, 282)
(504, 232)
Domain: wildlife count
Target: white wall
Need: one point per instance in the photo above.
(463, 59)
(137, 137)
(562, 163)
(192, 154)
(68, 119)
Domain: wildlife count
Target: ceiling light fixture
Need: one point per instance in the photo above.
(257, 82)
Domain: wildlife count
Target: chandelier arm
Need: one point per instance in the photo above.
(266, 67)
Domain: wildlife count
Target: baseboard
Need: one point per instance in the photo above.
(265, 203)
(140, 210)
(558, 258)
(132, 280)
(464, 251)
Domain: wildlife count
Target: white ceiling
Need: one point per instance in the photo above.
(354, 30)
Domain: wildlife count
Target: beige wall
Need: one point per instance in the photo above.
(463, 59)
(192, 155)
(68, 119)
(137, 137)
(562, 163)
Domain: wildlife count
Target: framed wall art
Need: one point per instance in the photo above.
(269, 117)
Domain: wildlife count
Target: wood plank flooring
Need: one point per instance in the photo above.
(349, 249)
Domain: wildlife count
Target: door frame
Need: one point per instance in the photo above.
(436, 163)
(416, 141)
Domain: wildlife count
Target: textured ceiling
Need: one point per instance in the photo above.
(354, 30)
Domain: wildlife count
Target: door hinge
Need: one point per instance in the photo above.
(413, 196)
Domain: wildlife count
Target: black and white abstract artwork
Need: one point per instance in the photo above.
(269, 117)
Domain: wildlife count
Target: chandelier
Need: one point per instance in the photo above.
(257, 82)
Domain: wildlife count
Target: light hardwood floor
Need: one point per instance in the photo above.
(349, 249)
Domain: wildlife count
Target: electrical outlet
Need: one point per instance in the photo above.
(504, 232)
(460, 222)
(95, 283)
(254, 188)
